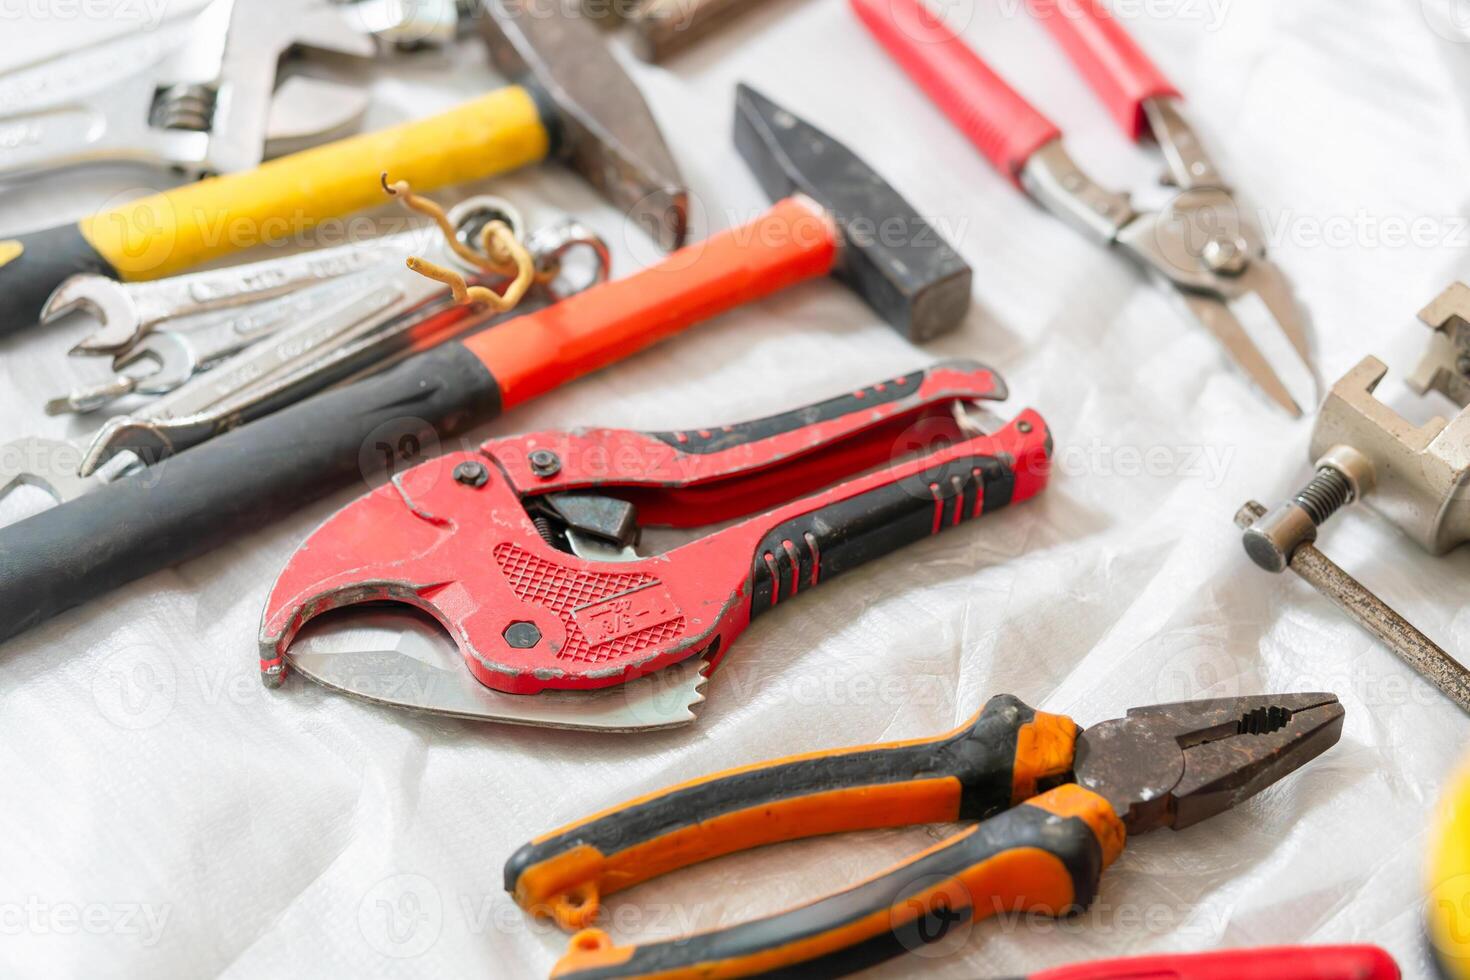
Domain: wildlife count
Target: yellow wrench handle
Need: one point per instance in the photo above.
(166, 233)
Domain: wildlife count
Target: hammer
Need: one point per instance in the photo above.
(571, 102)
(843, 220)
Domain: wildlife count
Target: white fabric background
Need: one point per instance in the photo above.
(166, 816)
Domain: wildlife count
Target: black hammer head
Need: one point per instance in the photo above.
(891, 256)
(600, 124)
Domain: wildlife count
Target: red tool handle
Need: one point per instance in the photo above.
(1005, 127)
(1283, 963)
(1116, 67)
(532, 354)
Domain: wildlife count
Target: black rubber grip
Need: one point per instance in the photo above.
(833, 539)
(744, 433)
(45, 260)
(918, 916)
(981, 758)
(188, 504)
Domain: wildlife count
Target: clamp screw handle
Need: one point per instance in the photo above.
(1343, 476)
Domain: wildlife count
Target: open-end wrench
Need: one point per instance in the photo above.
(388, 312)
(128, 311)
(167, 358)
(361, 320)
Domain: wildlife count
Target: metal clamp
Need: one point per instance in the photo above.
(1414, 475)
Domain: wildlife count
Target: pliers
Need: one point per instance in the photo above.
(1203, 243)
(1055, 805)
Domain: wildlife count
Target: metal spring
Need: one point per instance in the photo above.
(189, 107)
(544, 528)
(1328, 493)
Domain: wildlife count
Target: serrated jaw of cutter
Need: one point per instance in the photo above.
(392, 656)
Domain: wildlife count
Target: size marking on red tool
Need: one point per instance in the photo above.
(622, 615)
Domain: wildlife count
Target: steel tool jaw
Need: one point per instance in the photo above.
(396, 658)
(890, 256)
(607, 132)
(1177, 764)
(261, 33)
(526, 616)
(1212, 254)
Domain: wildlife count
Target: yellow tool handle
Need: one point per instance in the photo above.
(1447, 910)
(167, 233)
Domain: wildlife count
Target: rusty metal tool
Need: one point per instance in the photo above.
(238, 481)
(660, 29)
(570, 100)
(1416, 476)
(1053, 805)
(1203, 246)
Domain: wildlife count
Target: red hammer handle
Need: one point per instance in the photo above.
(1003, 125)
(1113, 64)
(793, 241)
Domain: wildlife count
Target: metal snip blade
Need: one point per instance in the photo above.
(1221, 321)
(398, 657)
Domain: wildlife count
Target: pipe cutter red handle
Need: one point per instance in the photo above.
(521, 549)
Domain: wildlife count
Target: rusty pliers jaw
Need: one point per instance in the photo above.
(1177, 764)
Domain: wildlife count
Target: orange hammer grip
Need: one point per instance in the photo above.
(793, 241)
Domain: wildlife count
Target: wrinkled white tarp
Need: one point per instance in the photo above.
(166, 816)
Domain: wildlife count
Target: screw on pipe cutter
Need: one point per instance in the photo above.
(522, 550)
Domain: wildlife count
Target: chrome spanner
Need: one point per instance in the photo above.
(59, 468)
(361, 332)
(128, 311)
(338, 341)
(169, 356)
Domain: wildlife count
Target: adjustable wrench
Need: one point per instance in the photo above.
(196, 98)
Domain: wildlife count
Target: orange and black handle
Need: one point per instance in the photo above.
(187, 504)
(1024, 859)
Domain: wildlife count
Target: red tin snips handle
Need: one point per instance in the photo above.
(1111, 61)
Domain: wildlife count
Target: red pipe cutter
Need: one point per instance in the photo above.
(522, 550)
